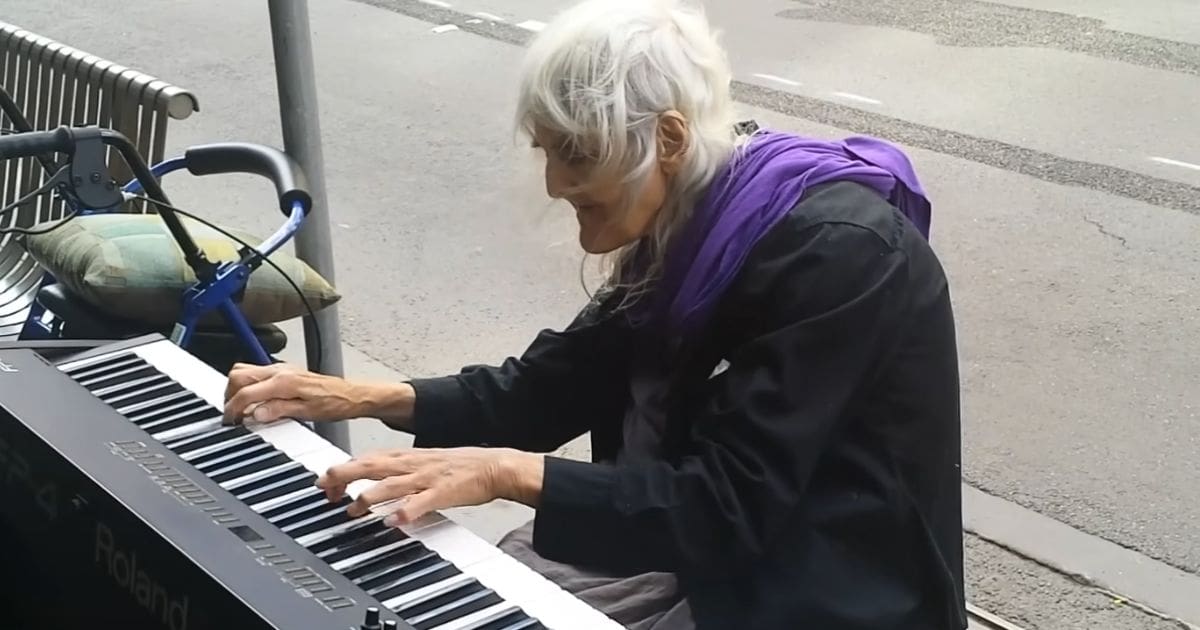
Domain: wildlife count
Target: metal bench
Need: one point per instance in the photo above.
(54, 84)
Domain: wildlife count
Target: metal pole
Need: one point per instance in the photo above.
(301, 126)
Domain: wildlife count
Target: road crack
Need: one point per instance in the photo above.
(1103, 230)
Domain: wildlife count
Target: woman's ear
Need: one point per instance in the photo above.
(673, 136)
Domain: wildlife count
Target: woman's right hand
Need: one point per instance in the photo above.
(266, 393)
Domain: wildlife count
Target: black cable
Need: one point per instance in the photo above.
(295, 287)
(43, 189)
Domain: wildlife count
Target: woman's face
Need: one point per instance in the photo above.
(598, 195)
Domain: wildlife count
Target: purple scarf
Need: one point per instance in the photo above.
(753, 193)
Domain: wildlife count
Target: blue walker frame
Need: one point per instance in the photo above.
(202, 297)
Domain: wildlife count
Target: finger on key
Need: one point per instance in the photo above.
(387, 490)
(244, 374)
(370, 466)
(241, 403)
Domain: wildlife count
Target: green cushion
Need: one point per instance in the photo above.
(129, 266)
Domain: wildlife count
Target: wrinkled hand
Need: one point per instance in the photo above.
(426, 480)
(266, 393)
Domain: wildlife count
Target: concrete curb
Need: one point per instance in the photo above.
(1151, 585)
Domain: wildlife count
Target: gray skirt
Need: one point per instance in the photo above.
(649, 601)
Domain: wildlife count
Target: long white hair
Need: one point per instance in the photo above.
(601, 75)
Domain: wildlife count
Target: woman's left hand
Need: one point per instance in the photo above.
(434, 479)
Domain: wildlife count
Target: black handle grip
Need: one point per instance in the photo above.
(237, 157)
(34, 143)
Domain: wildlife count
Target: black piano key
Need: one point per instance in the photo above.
(131, 385)
(316, 524)
(308, 504)
(453, 605)
(356, 563)
(149, 414)
(113, 377)
(259, 493)
(175, 404)
(410, 581)
(129, 409)
(144, 394)
(181, 419)
(311, 505)
(376, 572)
(362, 544)
(517, 620)
(184, 445)
(253, 479)
(110, 364)
(233, 457)
(258, 463)
(208, 450)
(367, 526)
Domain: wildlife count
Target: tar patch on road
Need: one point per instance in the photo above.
(1043, 166)
(974, 24)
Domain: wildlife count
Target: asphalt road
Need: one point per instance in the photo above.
(1058, 140)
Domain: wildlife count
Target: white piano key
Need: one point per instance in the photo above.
(204, 426)
(275, 486)
(136, 384)
(290, 436)
(269, 504)
(465, 600)
(346, 564)
(129, 368)
(340, 528)
(322, 459)
(218, 446)
(454, 543)
(333, 511)
(236, 459)
(163, 423)
(260, 474)
(480, 617)
(135, 408)
(187, 370)
(540, 598)
(315, 505)
(183, 403)
(425, 592)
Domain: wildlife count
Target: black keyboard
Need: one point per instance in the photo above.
(136, 507)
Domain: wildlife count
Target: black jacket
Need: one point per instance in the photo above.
(814, 483)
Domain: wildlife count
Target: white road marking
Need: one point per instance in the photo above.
(437, 3)
(777, 79)
(490, 16)
(532, 25)
(858, 97)
(474, 21)
(1170, 162)
(445, 28)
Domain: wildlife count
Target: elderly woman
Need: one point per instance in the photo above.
(769, 375)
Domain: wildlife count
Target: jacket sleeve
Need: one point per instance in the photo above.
(834, 295)
(557, 390)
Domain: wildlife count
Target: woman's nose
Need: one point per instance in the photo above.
(559, 180)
